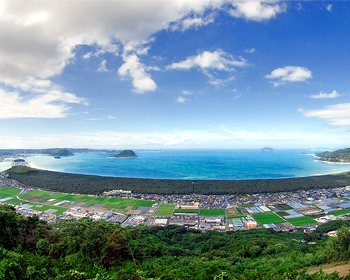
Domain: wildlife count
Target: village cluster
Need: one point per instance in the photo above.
(279, 211)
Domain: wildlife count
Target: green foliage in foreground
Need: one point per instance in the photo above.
(30, 249)
(89, 184)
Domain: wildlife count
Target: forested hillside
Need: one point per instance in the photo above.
(30, 249)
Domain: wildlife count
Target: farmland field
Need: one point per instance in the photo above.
(212, 212)
(42, 208)
(341, 212)
(302, 221)
(165, 210)
(57, 199)
(186, 211)
(10, 192)
(267, 218)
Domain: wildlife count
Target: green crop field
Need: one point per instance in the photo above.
(212, 212)
(246, 205)
(341, 212)
(43, 197)
(267, 218)
(186, 211)
(302, 221)
(43, 208)
(9, 192)
(165, 210)
(236, 216)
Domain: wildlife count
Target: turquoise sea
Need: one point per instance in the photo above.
(194, 164)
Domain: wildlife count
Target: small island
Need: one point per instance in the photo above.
(62, 153)
(125, 154)
(267, 149)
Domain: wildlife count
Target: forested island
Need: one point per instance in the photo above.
(339, 156)
(84, 249)
(125, 154)
(62, 153)
(92, 184)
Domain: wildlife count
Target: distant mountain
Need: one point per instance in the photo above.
(125, 154)
(339, 156)
(25, 152)
(267, 149)
(62, 153)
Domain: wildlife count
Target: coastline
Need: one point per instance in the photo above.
(330, 162)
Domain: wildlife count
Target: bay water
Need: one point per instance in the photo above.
(193, 164)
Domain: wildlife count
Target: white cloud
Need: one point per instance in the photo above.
(52, 104)
(134, 69)
(217, 60)
(289, 74)
(186, 92)
(102, 67)
(257, 10)
(177, 141)
(211, 62)
(329, 8)
(193, 22)
(181, 100)
(333, 94)
(38, 38)
(334, 115)
(252, 50)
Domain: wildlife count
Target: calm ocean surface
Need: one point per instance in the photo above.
(193, 164)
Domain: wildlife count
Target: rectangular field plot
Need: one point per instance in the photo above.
(212, 212)
(236, 216)
(186, 211)
(267, 218)
(65, 200)
(43, 208)
(9, 192)
(341, 212)
(302, 221)
(165, 210)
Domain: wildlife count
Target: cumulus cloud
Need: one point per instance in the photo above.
(289, 74)
(102, 67)
(334, 115)
(208, 62)
(217, 60)
(52, 104)
(38, 38)
(329, 8)
(252, 50)
(181, 100)
(134, 69)
(333, 94)
(193, 22)
(257, 10)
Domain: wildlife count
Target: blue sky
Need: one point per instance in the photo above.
(174, 74)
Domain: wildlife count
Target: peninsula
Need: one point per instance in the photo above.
(338, 156)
